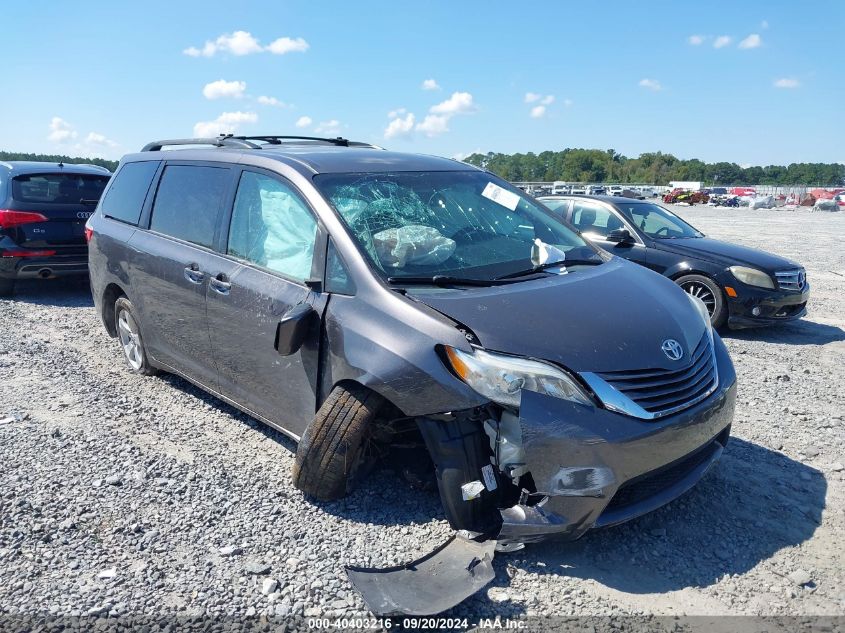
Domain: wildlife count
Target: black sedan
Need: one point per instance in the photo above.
(740, 286)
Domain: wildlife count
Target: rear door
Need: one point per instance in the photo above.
(269, 254)
(66, 199)
(596, 221)
(171, 262)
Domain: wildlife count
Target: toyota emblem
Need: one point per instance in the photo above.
(672, 349)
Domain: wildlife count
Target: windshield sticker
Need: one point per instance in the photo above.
(506, 198)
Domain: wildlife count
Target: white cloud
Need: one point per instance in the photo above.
(395, 113)
(568, 102)
(722, 41)
(98, 140)
(548, 100)
(752, 41)
(237, 43)
(226, 123)
(222, 88)
(764, 24)
(285, 45)
(400, 126)
(458, 103)
(538, 112)
(328, 127)
(433, 125)
(304, 121)
(61, 131)
(430, 84)
(696, 40)
(243, 43)
(531, 97)
(270, 101)
(786, 83)
(651, 84)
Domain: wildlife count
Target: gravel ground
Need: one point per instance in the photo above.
(128, 495)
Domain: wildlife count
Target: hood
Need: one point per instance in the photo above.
(725, 253)
(605, 318)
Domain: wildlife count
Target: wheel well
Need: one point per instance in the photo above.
(111, 294)
(700, 273)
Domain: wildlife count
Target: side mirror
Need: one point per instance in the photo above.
(621, 236)
(293, 328)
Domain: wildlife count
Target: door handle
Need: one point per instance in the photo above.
(220, 284)
(194, 274)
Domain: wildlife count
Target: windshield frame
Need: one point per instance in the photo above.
(624, 211)
(380, 273)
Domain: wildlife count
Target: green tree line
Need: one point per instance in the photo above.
(656, 168)
(111, 165)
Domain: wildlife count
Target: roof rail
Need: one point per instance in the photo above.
(220, 141)
(246, 142)
(279, 139)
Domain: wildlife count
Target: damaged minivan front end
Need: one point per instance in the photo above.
(556, 388)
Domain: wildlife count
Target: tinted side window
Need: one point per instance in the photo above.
(272, 227)
(188, 201)
(593, 219)
(125, 196)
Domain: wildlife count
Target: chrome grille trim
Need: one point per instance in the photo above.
(649, 394)
(791, 279)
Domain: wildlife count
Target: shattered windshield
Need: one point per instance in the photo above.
(464, 224)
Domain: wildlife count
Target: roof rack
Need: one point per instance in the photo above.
(247, 142)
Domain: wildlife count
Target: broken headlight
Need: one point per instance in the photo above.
(502, 378)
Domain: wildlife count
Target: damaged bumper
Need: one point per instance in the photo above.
(580, 467)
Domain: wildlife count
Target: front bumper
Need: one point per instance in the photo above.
(595, 468)
(774, 306)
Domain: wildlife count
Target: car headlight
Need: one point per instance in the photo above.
(702, 309)
(502, 378)
(752, 277)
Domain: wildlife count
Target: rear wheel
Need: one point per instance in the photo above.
(709, 292)
(129, 335)
(7, 287)
(337, 446)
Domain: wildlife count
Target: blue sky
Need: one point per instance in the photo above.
(750, 82)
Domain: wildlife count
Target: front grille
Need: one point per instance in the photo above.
(655, 482)
(663, 392)
(791, 279)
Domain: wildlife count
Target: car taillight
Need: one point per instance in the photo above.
(14, 252)
(10, 218)
(89, 233)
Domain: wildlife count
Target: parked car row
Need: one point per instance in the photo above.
(552, 364)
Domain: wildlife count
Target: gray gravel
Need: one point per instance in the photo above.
(128, 495)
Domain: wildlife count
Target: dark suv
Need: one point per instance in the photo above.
(370, 303)
(741, 287)
(43, 209)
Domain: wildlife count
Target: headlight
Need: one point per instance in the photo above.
(502, 378)
(752, 277)
(702, 309)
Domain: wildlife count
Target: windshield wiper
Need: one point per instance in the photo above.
(88, 202)
(541, 267)
(441, 280)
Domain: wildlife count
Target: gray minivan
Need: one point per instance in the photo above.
(364, 301)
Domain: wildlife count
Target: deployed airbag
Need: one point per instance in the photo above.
(413, 244)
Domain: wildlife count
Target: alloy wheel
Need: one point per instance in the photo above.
(701, 292)
(130, 339)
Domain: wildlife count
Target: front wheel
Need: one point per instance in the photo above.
(336, 446)
(709, 292)
(129, 335)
